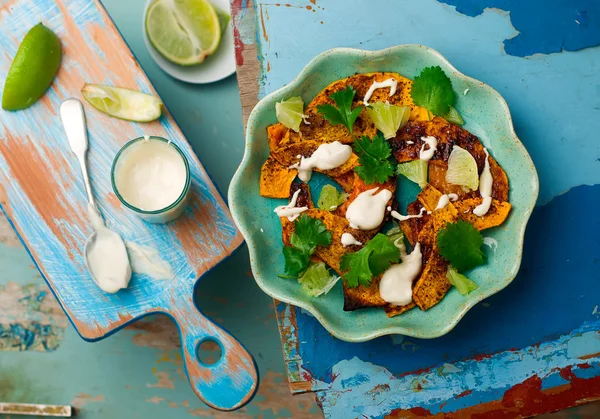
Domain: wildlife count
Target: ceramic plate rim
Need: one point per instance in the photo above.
(252, 247)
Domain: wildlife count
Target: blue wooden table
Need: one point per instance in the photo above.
(534, 347)
(138, 372)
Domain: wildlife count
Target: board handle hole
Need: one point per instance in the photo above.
(209, 351)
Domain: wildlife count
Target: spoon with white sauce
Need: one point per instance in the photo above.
(105, 254)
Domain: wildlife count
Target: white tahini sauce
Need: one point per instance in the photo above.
(349, 240)
(396, 283)
(391, 83)
(147, 260)
(290, 210)
(106, 256)
(485, 188)
(445, 200)
(431, 142)
(401, 217)
(367, 210)
(328, 156)
(150, 175)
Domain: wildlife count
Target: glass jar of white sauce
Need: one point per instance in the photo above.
(151, 177)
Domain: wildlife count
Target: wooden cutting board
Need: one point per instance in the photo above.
(43, 196)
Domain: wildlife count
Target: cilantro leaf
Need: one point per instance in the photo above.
(296, 261)
(309, 233)
(460, 244)
(343, 114)
(372, 260)
(357, 266)
(373, 158)
(432, 89)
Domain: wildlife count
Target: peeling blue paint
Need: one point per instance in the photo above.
(559, 25)
(350, 395)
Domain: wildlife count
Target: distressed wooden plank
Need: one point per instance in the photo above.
(248, 66)
(42, 195)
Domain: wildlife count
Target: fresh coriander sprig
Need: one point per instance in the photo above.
(309, 233)
(373, 157)
(343, 114)
(372, 260)
(460, 244)
(432, 89)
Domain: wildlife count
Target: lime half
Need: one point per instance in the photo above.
(388, 118)
(183, 31)
(290, 112)
(415, 170)
(32, 70)
(462, 169)
(123, 103)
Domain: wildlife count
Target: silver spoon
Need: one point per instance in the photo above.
(114, 272)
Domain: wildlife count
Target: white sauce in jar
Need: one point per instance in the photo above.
(367, 210)
(391, 83)
(349, 240)
(486, 182)
(290, 210)
(150, 175)
(328, 156)
(396, 283)
(431, 142)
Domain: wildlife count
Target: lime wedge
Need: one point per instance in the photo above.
(317, 280)
(454, 117)
(388, 118)
(32, 70)
(183, 31)
(290, 112)
(462, 169)
(123, 103)
(330, 198)
(415, 171)
(463, 284)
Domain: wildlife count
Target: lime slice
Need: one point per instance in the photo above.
(330, 198)
(290, 112)
(183, 31)
(454, 117)
(462, 169)
(32, 70)
(463, 284)
(415, 171)
(317, 280)
(388, 118)
(123, 103)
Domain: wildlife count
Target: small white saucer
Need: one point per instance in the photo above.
(216, 67)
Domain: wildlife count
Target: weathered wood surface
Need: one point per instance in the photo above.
(43, 196)
(534, 347)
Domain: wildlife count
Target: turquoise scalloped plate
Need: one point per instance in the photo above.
(486, 115)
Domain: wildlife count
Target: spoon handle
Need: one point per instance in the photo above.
(73, 119)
